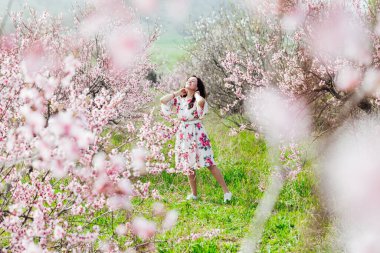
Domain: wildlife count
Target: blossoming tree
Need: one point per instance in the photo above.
(64, 93)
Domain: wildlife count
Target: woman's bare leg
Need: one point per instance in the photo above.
(193, 182)
(219, 177)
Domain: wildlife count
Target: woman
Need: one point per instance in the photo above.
(192, 148)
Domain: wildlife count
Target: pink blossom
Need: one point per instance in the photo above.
(146, 6)
(124, 187)
(31, 247)
(121, 229)
(102, 184)
(8, 42)
(91, 24)
(158, 209)
(59, 232)
(280, 118)
(371, 82)
(125, 44)
(143, 228)
(138, 157)
(294, 18)
(104, 13)
(48, 85)
(35, 120)
(35, 60)
(348, 79)
(351, 180)
(170, 220)
(119, 202)
(70, 66)
(99, 161)
(58, 168)
(348, 39)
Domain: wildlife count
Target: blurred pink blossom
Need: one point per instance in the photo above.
(119, 202)
(158, 209)
(371, 82)
(341, 34)
(31, 247)
(170, 220)
(124, 187)
(294, 18)
(70, 66)
(348, 78)
(35, 120)
(35, 60)
(125, 44)
(143, 228)
(104, 13)
(99, 161)
(138, 161)
(121, 229)
(146, 6)
(59, 232)
(351, 179)
(92, 24)
(280, 118)
(48, 85)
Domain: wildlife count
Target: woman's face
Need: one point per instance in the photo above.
(192, 84)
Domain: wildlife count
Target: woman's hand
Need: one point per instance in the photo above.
(165, 99)
(181, 92)
(200, 100)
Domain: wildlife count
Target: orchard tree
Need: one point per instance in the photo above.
(64, 93)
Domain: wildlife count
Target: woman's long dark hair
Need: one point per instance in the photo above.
(202, 90)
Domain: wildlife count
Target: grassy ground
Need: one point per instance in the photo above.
(244, 163)
(168, 50)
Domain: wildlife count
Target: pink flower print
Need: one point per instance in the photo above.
(209, 161)
(198, 125)
(204, 140)
(186, 156)
(181, 136)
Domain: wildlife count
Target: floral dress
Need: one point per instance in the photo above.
(192, 147)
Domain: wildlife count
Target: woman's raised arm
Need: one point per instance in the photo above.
(200, 100)
(165, 99)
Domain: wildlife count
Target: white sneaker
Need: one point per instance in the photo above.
(227, 197)
(191, 196)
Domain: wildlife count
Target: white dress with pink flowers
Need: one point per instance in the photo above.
(192, 148)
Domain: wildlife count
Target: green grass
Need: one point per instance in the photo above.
(167, 51)
(244, 163)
